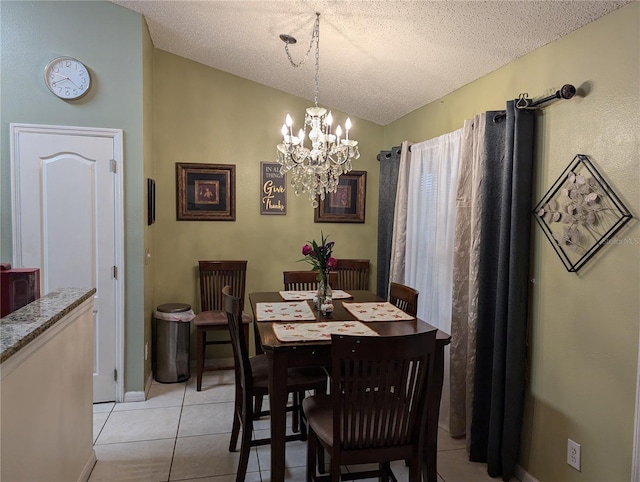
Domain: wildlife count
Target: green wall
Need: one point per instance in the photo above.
(149, 173)
(108, 39)
(584, 327)
(203, 115)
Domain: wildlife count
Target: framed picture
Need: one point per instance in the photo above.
(273, 196)
(151, 201)
(580, 213)
(346, 205)
(206, 192)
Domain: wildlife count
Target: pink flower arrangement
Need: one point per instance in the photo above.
(319, 255)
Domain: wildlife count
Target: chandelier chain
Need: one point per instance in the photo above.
(315, 36)
(317, 81)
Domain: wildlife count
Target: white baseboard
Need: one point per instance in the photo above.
(135, 396)
(88, 467)
(524, 476)
(139, 396)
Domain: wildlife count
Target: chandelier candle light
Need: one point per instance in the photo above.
(315, 169)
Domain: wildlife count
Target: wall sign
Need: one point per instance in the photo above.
(273, 197)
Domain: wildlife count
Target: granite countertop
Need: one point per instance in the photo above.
(22, 326)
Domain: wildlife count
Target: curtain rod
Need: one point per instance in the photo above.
(566, 92)
(387, 154)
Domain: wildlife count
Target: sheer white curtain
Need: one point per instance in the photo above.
(430, 233)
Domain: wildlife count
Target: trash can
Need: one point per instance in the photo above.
(172, 332)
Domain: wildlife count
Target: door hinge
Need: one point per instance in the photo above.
(115, 375)
(115, 272)
(114, 165)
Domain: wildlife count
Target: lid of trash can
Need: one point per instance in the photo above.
(173, 307)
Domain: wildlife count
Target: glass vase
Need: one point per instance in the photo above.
(324, 304)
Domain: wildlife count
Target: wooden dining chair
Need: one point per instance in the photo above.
(404, 297)
(377, 410)
(252, 383)
(353, 274)
(305, 280)
(215, 275)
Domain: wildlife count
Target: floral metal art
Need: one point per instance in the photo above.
(580, 213)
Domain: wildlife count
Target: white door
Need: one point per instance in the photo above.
(67, 221)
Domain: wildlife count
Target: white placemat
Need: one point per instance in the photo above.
(309, 295)
(287, 332)
(377, 311)
(284, 311)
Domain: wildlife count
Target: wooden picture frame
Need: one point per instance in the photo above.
(205, 192)
(346, 205)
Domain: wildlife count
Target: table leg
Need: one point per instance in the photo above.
(277, 406)
(430, 469)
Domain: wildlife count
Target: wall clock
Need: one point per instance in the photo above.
(67, 78)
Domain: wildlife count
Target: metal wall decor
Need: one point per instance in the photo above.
(580, 213)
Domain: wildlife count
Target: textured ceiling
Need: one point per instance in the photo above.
(379, 60)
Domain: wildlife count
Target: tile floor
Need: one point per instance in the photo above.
(182, 434)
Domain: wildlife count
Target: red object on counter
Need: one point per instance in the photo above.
(18, 287)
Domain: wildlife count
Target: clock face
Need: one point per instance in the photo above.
(67, 78)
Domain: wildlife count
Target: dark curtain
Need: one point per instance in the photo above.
(503, 291)
(389, 166)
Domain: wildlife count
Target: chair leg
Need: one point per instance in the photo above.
(200, 348)
(415, 470)
(335, 469)
(385, 469)
(235, 431)
(322, 468)
(303, 423)
(257, 407)
(237, 415)
(295, 414)
(312, 450)
(245, 444)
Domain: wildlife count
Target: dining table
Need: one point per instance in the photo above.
(293, 333)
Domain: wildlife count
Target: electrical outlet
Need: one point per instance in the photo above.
(573, 454)
(146, 351)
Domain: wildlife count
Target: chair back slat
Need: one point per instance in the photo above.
(380, 389)
(305, 280)
(353, 274)
(232, 306)
(215, 275)
(404, 297)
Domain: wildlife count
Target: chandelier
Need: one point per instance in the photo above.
(315, 169)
